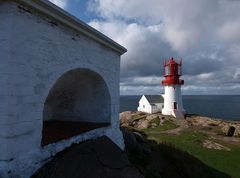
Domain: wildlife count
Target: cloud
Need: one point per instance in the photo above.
(183, 21)
(61, 3)
(206, 34)
(230, 31)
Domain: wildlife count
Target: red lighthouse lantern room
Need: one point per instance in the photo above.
(172, 72)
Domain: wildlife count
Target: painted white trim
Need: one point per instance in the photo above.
(68, 20)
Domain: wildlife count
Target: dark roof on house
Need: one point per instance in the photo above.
(154, 98)
(68, 20)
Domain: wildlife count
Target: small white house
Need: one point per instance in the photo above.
(151, 103)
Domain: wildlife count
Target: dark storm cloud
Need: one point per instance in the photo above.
(205, 34)
(149, 62)
(201, 65)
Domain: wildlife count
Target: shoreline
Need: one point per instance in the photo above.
(214, 118)
(211, 117)
(191, 120)
(213, 106)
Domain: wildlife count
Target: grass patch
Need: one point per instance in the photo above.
(190, 141)
(155, 121)
(167, 125)
(161, 160)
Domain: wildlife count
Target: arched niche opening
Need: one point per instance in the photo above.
(79, 101)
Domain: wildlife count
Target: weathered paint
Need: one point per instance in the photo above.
(35, 52)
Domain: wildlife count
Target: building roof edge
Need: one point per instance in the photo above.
(58, 14)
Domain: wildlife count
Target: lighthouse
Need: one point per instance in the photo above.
(172, 86)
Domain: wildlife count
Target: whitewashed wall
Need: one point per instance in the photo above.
(144, 105)
(172, 94)
(34, 53)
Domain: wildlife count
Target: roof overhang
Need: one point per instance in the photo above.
(52, 11)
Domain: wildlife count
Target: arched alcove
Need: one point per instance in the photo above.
(79, 101)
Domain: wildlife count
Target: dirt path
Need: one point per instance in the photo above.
(182, 123)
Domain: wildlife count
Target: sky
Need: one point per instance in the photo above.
(204, 33)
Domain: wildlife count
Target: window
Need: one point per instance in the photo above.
(175, 105)
(167, 70)
(179, 70)
(143, 106)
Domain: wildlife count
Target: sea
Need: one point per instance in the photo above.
(225, 107)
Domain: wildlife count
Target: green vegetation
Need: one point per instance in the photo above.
(190, 139)
(155, 121)
(161, 160)
(191, 142)
(167, 125)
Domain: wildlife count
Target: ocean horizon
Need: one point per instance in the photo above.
(225, 107)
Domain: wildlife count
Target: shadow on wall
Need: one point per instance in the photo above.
(79, 101)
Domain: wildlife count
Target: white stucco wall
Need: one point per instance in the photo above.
(34, 53)
(172, 94)
(144, 105)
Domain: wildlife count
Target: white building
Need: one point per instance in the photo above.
(171, 102)
(151, 103)
(172, 86)
(54, 69)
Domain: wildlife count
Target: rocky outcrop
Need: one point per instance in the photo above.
(228, 126)
(141, 120)
(213, 145)
(224, 125)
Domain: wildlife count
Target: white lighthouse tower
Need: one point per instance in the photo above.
(172, 85)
